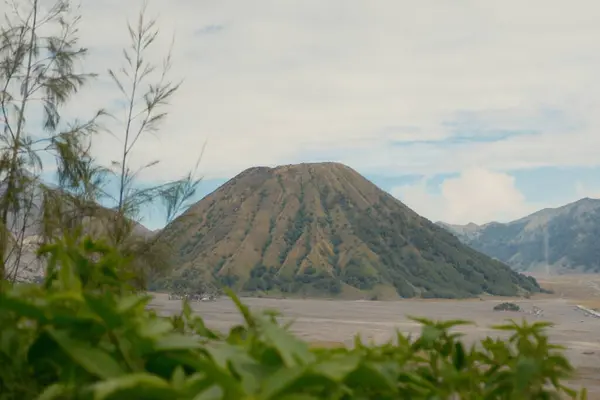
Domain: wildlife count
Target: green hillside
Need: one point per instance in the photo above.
(324, 230)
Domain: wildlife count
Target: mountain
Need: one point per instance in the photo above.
(29, 220)
(323, 229)
(29, 224)
(553, 240)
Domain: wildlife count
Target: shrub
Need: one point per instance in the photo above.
(83, 334)
(507, 307)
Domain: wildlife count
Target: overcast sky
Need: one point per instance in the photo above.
(465, 110)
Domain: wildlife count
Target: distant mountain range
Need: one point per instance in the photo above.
(29, 224)
(554, 240)
(324, 230)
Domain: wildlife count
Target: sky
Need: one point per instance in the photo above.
(467, 111)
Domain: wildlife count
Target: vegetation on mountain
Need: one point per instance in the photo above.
(322, 229)
(555, 240)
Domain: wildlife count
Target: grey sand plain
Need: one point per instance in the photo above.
(338, 321)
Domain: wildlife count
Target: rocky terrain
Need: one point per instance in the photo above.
(553, 240)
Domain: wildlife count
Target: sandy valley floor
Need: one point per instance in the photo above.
(339, 321)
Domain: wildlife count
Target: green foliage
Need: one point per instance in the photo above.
(40, 62)
(227, 280)
(420, 258)
(263, 279)
(39, 55)
(83, 334)
(354, 274)
(507, 307)
(295, 229)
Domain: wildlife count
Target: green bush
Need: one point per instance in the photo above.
(507, 307)
(84, 334)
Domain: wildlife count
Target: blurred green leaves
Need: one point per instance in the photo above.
(85, 334)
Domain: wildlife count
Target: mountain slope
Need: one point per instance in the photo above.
(322, 229)
(554, 240)
(27, 223)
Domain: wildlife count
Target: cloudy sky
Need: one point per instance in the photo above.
(465, 110)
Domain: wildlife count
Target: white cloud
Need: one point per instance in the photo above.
(283, 81)
(477, 195)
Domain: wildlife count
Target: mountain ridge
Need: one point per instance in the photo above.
(28, 223)
(552, 240)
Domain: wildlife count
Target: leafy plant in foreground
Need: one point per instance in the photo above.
(83, 334)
